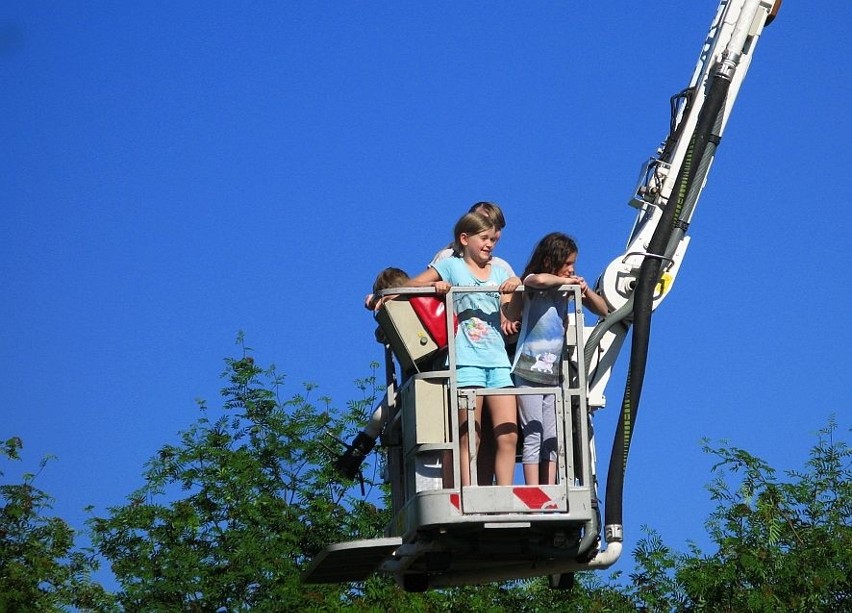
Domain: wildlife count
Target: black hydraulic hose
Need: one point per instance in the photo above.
(643, 294)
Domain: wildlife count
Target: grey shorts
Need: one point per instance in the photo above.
(538, 424)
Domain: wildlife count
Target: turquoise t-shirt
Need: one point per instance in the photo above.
(479, 340)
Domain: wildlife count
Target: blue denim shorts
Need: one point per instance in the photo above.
(481, 376)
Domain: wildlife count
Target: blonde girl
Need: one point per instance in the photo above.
(481, 359)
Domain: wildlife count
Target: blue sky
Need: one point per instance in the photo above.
(173, 173)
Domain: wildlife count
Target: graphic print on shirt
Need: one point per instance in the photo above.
(546, 363)
(476, 329)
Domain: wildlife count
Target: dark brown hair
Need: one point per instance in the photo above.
(390, 277)
(550, 254)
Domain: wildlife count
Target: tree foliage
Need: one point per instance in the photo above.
(781, 545)
(40, 567)
(229, 515)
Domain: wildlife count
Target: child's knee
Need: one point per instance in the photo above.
(508, 439)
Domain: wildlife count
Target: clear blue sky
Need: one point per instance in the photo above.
(171, 173)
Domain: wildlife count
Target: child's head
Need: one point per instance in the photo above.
(555, 254)
(470, 224)
(492, 211)
(390, 277)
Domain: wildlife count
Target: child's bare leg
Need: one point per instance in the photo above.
(464, 449)
(504, 416)
(447, 479)
(547, 473)
(487, 452)
(531, 473)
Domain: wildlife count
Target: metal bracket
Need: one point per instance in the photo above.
(647, 255)
(467, 399)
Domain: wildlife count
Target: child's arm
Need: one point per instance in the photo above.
(509, 285)
(510, 313)
(591, 300)
(430, 278)
(544, 280)
(595, 302)
(374, 301)
(511, 304)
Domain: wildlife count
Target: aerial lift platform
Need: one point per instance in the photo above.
(443, 534)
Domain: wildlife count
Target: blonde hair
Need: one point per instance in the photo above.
(492, 212)
(470, 223)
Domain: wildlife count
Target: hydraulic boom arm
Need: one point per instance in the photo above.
(669, 187)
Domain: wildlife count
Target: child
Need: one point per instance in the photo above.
(388, 278)
(495, 214)
(542, 339)
(481, 359)
(491, 210)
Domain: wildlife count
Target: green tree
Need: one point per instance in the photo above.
(781, 545)
(41, 569)
(228, 517)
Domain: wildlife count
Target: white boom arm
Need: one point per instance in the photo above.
(727, 51)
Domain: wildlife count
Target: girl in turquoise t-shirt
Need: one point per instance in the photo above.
(481, 360)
